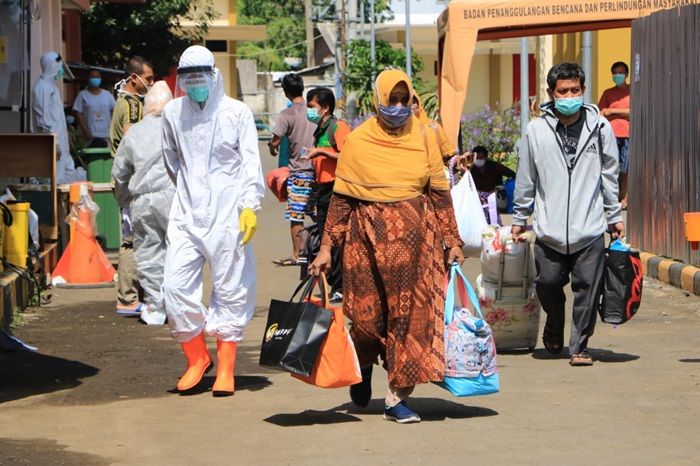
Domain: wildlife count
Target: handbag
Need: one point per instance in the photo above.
(276, 181)
(471, 221)
(295, 331)
(622, 284)
(470, 351)
(337, 365)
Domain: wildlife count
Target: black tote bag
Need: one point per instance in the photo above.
(622, 286)
(295, 331)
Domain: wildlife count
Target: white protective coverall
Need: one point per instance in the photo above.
(142, 184)
(48, 114)
(212, 155)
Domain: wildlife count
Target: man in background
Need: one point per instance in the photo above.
(293, 123)
(128, 110)
(615, 106)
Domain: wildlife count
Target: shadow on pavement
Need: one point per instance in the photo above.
(544, 354)
(252, 383)
(611, 356)
(600, 355)
(695, 360)
(42, 451)
(430, 409)
(310, 417)
(26, 373)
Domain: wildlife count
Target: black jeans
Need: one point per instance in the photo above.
(585, 267)
(322, 194)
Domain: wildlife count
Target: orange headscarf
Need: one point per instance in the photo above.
(383, 165)
(447, 150)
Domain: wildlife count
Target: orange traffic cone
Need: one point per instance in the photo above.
(83, 263)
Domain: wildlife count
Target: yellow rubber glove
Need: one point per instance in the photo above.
(248, 223)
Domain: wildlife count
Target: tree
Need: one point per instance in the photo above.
(286, 30)
(359, 70)
(113, 32)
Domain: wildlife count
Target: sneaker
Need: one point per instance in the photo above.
(361, 393)
(336, 298)
(401, 414)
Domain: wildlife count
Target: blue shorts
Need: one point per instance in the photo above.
(299, 187)
(623, 147)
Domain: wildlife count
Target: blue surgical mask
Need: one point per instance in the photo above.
(312, 115)
(198, 94)
(95, 82)
(568, 105)
(393, 116)
(60, 74)
(619, 79)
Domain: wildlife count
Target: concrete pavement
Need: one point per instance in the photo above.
(97, 393)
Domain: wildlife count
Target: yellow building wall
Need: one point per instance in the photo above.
(609, 46)
(226, 62)
(478, 91)
(567, 48)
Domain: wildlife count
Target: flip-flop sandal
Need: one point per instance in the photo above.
(581, 359)
(553, 341)
(130, 311)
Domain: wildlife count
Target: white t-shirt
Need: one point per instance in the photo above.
(97, 111)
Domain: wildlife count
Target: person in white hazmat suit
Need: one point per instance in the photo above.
(48, 115)
(142, 184)
(210, 148)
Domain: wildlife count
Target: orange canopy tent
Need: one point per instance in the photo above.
(464, 22)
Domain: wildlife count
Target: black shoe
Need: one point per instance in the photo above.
(361, 393)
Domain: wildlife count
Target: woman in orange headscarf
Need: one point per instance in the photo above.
(392, 207)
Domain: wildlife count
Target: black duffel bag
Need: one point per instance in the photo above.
(622, 286)
(295, 331)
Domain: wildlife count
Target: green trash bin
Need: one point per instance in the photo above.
(99, 170)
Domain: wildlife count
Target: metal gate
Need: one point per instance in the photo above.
(664, 169)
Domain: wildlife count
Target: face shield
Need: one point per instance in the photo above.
(195, 82)
(63, 69)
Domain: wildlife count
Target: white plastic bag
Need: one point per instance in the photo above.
(515, 252)
(471, 221)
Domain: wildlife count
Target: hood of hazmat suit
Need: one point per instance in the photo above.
(210, 147)
(139, 167)
(142, 184)
(48, 115)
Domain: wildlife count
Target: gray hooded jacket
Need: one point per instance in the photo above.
(573, 202)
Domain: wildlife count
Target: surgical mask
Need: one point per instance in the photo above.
(148, 88)
(60, 74)
(568, 105)
(619, 79)
(70, 119)
(312, 115)
(479, 163)
(95, 82)
(198, 94)
(394, 116)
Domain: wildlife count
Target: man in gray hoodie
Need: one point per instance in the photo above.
(568, 168)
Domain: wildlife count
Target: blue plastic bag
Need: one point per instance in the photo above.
(620, 245)
(509, 188)
(470, 351)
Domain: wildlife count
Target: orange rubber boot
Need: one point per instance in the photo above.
(226, 361)
(198, 362)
